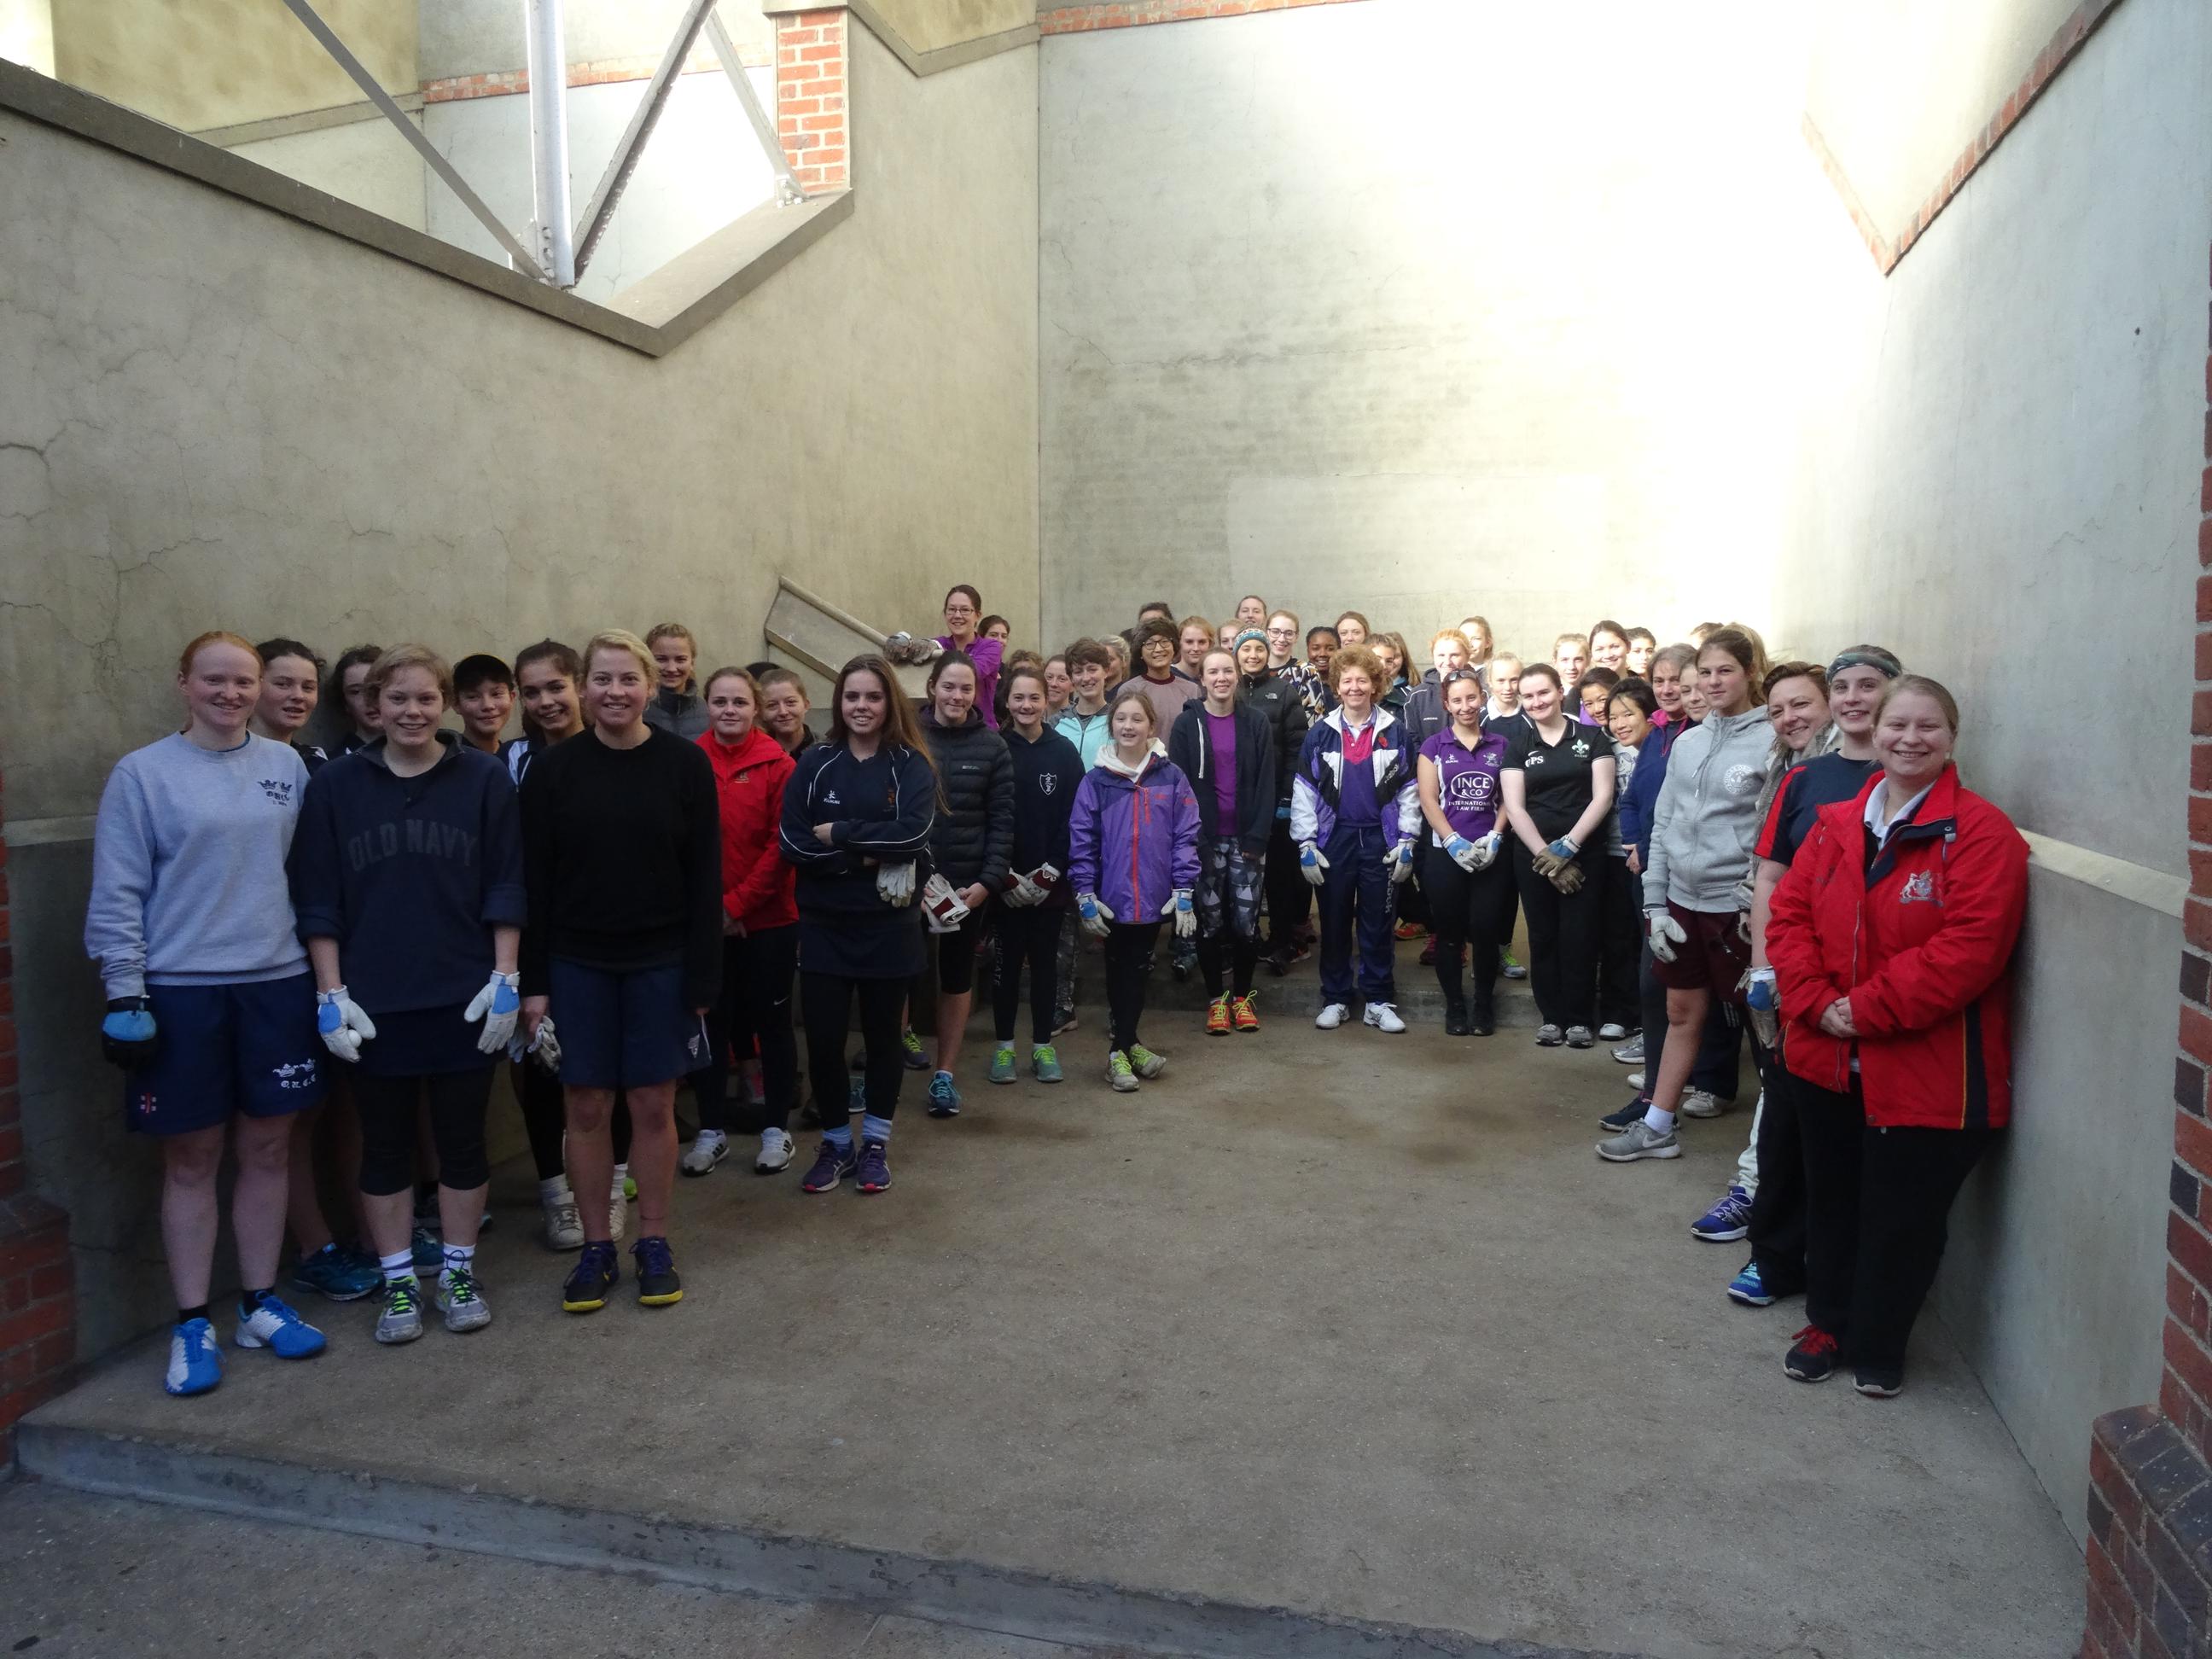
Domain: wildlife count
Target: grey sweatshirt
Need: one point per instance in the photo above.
(188, 882)
(1706, 819)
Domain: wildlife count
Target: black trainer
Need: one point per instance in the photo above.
(657, 1286)
(1813, 1359)
(1456, 1023)
(1878, 1384)
(1617, 1122)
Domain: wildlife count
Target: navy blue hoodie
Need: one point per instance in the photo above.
(1046, 774)
(409, 875)
(881, 809)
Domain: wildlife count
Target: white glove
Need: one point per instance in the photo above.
(1095, 914)
(344, 1028)
(1179, 907)
(1402, 862)
(895, 883)
(1023, 892)
(1486, 851)
(1313, 864)
(1664, 933)
(497, 1005)
(941, 908)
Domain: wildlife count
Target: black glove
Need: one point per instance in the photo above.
(127, 1036)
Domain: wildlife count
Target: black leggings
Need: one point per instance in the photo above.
(1468, 908)
(545, 1118)
(755, 1006)
(386, 1106)
(825, 1004)
(1027, 933)
(1128, 954)
(1290, 897)
(1230, 948)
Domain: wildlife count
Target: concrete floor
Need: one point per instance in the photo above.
(84, 1577)
(1341, 1324)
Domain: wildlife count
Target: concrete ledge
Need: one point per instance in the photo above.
(722, 1558)
(42, 99)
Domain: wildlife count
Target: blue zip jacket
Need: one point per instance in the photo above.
(1320, 782)
(1633, 809)
(409, 875)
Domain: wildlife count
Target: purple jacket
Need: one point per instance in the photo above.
(1134, 842)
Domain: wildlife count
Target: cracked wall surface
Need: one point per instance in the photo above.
(217, 417)
(1999, 476)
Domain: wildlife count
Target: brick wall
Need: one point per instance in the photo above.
(810, 90)
(37, 1304)
(2150, 1468)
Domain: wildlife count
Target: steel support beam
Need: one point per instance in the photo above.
(414, 135)
(771, 142)
(601, 208)
(548, 58)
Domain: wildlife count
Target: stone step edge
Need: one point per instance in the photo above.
(730, 1559)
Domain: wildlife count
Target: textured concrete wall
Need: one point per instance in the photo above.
(927, 25)
(364, 162)
(1421, 306)
(2000, 478)
(218, 417)
(702, 167)
(216, 62)
(477, 37)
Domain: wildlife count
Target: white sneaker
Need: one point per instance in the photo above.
(1331, 1016)
(774, 1152)
(703, 1154)
(1696, 1102)
(1383, 1018)
(1611, 1031)
(1636, 1080)
(617, 1205)
(564, 1227)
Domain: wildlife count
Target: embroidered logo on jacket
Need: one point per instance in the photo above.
(1047, 782)
(1919, 888)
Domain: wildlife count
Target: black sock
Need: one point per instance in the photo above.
(249, 1302)
(186, 1315)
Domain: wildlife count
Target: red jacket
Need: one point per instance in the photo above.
(1920, 937)
(748, 779)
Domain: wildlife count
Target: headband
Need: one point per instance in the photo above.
(1872, 657)
(1244, 634)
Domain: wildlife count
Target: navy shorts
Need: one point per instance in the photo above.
(225, 1049)
(624, 1029)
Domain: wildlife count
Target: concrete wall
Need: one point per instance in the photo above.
(1999, 477)
(1422, 305)
(364, 162)
(219, 417)
(478, 37)
(928, 25)
(218, 63)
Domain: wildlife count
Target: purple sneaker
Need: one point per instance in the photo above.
(875, 1168)
(1728, 1220)
(831, 1165)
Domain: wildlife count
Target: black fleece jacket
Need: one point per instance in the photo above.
(1278, 700)
(975, 833)
(1046, 774)
(1190, 747)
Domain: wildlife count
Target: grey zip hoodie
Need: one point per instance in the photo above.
(1706, 819)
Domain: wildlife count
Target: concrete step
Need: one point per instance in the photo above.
(714, 1556)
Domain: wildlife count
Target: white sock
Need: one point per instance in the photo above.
(621, 1174)
(555, 1191)
(1654, 1118)
(399, 1265)
(460, 1258)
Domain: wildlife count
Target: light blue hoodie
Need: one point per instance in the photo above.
(188, 882)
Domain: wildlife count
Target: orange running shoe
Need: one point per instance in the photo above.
(1247, 1016)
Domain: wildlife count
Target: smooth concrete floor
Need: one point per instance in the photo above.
(84, 1577)
(1343, 1322)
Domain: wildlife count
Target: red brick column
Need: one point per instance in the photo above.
(2150, 1468)
(37, 1303)
(810, 93)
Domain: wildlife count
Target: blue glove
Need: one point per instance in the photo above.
(1186, 917)
(1095, 914)
(1761, 991)
(343, 1025)
(496, 1005)
(1563, 849)
(1283, 812)
(1461, 852)
(127, 1036)
(1312, 865)
(1402, 862)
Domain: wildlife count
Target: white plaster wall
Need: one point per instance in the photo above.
(1999, 477)
(701, 167)
(217, 417)
(27, 34)
(364, 162)
(1425, 307)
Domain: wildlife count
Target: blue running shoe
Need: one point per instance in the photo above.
(275, 1327)
(1616, 1122)
(1749, 1289)
(831, 1165)
(910, 1052)
(874, 1173)
(657, 1286)
(430, 1251)
(943, 1098)
(336, 1273)
(195, 1359)
(594, 1275)
(1728, 1220)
